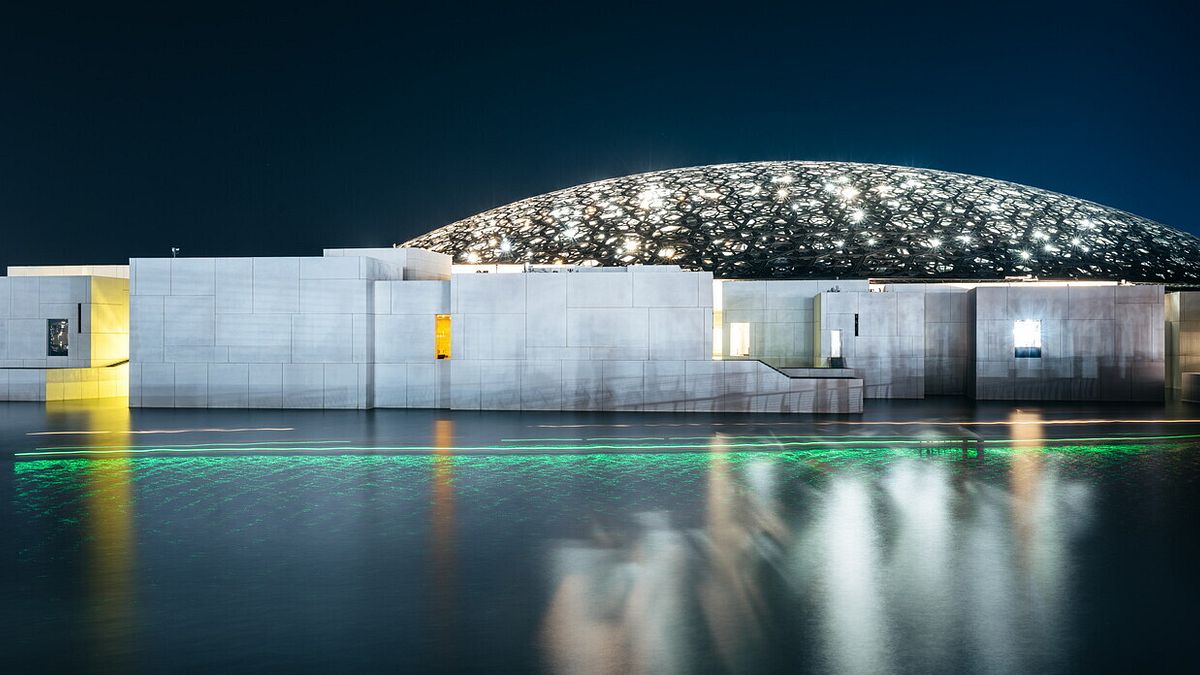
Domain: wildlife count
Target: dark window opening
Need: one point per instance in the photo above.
(57, 337)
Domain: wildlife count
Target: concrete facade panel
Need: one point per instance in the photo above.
(234, 285)
(191, 385)
(678, 334)
(148, 276)
(418, 297)
(189, 320)
(608, 328)
(303, 385)
(391, 385)
(541, 385)
(546, 320)
(276, 285)
(341, 386)
(265, 385)
(334, 296)
(597, 289)
(403, 338)
(488, 294)
(679, 289)
(228, 385)
(321, 338)
(1091, 302)
(193, 276)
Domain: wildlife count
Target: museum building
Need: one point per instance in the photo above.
(757, 287)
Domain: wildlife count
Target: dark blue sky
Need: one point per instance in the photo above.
(281, 130)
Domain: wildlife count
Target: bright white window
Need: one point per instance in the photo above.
(739, 339)
(1027, 338)
(835, 344)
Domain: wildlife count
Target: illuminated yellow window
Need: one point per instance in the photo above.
(739, 339)
(441, 336)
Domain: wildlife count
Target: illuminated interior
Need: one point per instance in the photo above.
(441, 336)
(1027, 338)
(739, 339)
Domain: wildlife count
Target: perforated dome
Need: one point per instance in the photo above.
(824, 220)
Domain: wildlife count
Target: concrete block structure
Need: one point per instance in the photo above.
(362, 331)
(256, 332)
(1182, 312)
(64, 333)
(1098, 342)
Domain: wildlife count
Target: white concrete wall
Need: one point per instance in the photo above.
(574, 340)
(407, 263)
(779, 314)
(889, 349)
(628, 339)
(1098, 342)
(1183, 335)
(27, 303)
(407, 375)
(253, 332)
(949, 324)
(96, 310)
(24, 310)
(346, 331)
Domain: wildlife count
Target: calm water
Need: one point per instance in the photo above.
(970, 539)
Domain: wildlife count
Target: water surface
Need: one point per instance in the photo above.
(967, 539)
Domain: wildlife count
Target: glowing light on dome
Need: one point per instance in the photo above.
(651, 199)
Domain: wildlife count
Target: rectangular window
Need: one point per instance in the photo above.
(739, 339)
(835, 344)
(1027, 339)
(57, 337)
(856, 325)
(441, 336)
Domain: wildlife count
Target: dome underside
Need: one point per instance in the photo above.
(809, 220)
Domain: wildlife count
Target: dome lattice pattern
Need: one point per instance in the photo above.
(824, 220)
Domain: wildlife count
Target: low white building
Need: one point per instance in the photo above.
(769, 287)
(64, 333)
(395, 328)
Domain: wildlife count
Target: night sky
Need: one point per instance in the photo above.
(280, 130)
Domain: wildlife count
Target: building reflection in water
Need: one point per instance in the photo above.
(849, 563)
(741, 531)
(109, 536)
(443, 531)
(908, 564)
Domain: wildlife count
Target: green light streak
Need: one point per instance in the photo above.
(182, 445)
(716, 444)
(711, 437)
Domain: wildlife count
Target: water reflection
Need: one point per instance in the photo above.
(443, 556)
(906, 566)
(108, 536)
(917, 557)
